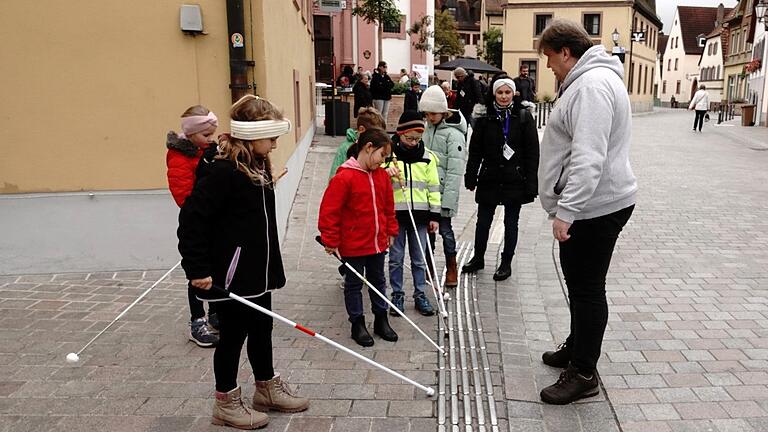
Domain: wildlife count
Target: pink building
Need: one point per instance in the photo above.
(342, 39)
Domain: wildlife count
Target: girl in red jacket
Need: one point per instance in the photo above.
(357, 222)
(198, 125)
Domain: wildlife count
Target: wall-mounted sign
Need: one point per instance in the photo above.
(237, 40)
(367, 54)
(638, 36)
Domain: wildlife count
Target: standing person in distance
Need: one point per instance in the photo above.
(362, 92)
(231, 207)
(503, 159)
(468, 93)
(700, 103)
(412, 96)
(588, 189)
(357, 223)
(445, 136)
(526, 87)
(381, 89)
(450, 95)
(198, 125)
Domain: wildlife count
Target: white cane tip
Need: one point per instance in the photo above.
(72, 358)
(444, 314)
(446, 297)
(430, 391)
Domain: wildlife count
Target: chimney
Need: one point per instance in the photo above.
(720, 15)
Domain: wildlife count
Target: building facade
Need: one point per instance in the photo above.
(467, 14)
(343, 39)
(758, 90)
(711, 62)
(658, 76)
(686, 43)
(526, 20)
(738, 27)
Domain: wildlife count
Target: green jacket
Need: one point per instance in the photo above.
(448, 141)
(418, 172)
(341, 152)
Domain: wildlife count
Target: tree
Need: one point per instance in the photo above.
(447, 40)
(492, 46)
(381, 12)
(421, 29)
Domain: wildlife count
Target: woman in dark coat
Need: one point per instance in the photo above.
(362, 91)
(502, 168)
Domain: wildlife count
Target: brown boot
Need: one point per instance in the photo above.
(451, 275)
(229, 410)
(275, 395)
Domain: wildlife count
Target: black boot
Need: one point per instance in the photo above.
(381, 327)
(360, 333)
(559, 358)
(505, 268)
(476, 263)
(570, 387)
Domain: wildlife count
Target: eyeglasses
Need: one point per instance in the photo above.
(411, 138)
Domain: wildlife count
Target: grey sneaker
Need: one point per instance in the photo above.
(201, 335)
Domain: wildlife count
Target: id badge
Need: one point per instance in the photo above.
(508, 152)
(462, 93)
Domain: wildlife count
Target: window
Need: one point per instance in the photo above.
(664, 87)
(541, 21)
(709, 50)
(714, 49)
(631, 77)
(718, 72)
(677, 88)
(394, 28)
(592, 24)
(466, 38)
(645, 81)
(639, 77)
(669, 64)
(676, 64)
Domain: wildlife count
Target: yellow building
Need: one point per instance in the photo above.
(738, 51)
(91, 88)
(525, 20)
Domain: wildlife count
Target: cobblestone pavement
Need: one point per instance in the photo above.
(686, 347)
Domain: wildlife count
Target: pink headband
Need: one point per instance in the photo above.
(194, 124)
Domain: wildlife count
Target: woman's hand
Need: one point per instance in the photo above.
(332, 251)
(433, 227)
(203, 284)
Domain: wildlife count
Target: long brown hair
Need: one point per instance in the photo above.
(240, 152)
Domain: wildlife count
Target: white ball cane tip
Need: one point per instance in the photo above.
(72, 358)
(430, 392)
(445, 314)
(447, 297)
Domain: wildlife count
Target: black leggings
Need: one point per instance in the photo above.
(196, 309)
(238, 321)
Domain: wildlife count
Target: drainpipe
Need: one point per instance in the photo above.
(238, 64)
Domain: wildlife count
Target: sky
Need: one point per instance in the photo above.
(665, 9)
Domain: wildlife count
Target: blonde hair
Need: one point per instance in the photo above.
(240, 152)
(196, 110)
(370, 118)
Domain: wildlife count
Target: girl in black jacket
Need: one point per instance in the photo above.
(502, 165)
(231, 207)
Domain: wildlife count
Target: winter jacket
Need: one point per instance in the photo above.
(585, 171)
(700, 101)
(381, 86)
(526, 87)
(225, 211)
(181, 160)
(468, 93)
(418, 172)
(341, 152)
(500, 180)
(411, 100)
(447, 140)
(363, 97)
(357, 213)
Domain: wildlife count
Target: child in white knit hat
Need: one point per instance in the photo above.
(445, 135)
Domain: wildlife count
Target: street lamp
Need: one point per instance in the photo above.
(615, 35)
(760, 9)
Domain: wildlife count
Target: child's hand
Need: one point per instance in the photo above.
(393, 171)
(332, 251)
(433, 226)
(203, 284)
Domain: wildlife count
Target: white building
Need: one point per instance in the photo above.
(711, 65)
(680, 75)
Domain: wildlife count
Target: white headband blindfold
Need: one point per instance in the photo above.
(504, 82)
(254, 130)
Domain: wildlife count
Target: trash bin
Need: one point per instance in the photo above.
(747, 115)
(341, 117)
